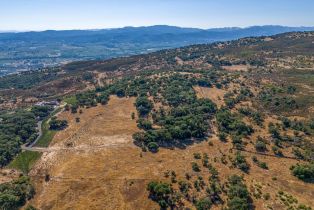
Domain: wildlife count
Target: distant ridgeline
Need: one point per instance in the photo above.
(33, 50)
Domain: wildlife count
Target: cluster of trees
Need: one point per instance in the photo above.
(88, 76)
(143, 106)
(213, 189)
(259, 163)
(304, 172)
(229, 123)
(240, 162)
(296, 125)
(87, 99)
(179, 123)
(218, 62)
(185, 117)
(274, 99)
(16, 129)
(274, 131)
(233, 98)
(162, 193)
(203, 204)
(305, 148)
(128, 86)
(255, 116)
(172, 195)
(13, 195)
(41, 111)
(55, 124)
(238, 194)
(260, 144)
(178, 90)
(103, 98)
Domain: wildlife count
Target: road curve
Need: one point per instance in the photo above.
(30, 146)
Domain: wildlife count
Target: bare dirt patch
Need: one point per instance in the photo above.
(236, 68)
(268, 39)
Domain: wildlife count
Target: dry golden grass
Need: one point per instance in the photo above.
(86, 176)
(236, 68)
(214, 94)
(7, 175)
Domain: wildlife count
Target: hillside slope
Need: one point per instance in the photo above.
(285, 51)
(33, 50)
(224, 125)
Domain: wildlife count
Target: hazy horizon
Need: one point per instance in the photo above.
(41, 15)
(95, 29)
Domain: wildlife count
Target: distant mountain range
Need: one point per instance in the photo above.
(31, 50)
(131, 33)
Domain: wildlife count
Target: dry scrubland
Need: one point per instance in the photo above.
(102, 169)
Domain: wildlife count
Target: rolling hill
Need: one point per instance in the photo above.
(33, 50)
(226, 125)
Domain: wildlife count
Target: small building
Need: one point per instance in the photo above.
(53, 103)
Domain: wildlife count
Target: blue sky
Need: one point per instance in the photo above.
(92, 14)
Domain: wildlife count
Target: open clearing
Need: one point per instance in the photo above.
(214, 94)
(236, 68)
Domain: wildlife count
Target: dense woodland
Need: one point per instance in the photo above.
(15, 194)
(17, 128)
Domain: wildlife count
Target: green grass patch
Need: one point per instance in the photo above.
(55, 112)
(71, 100)
(24, 161)
(47, 136)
